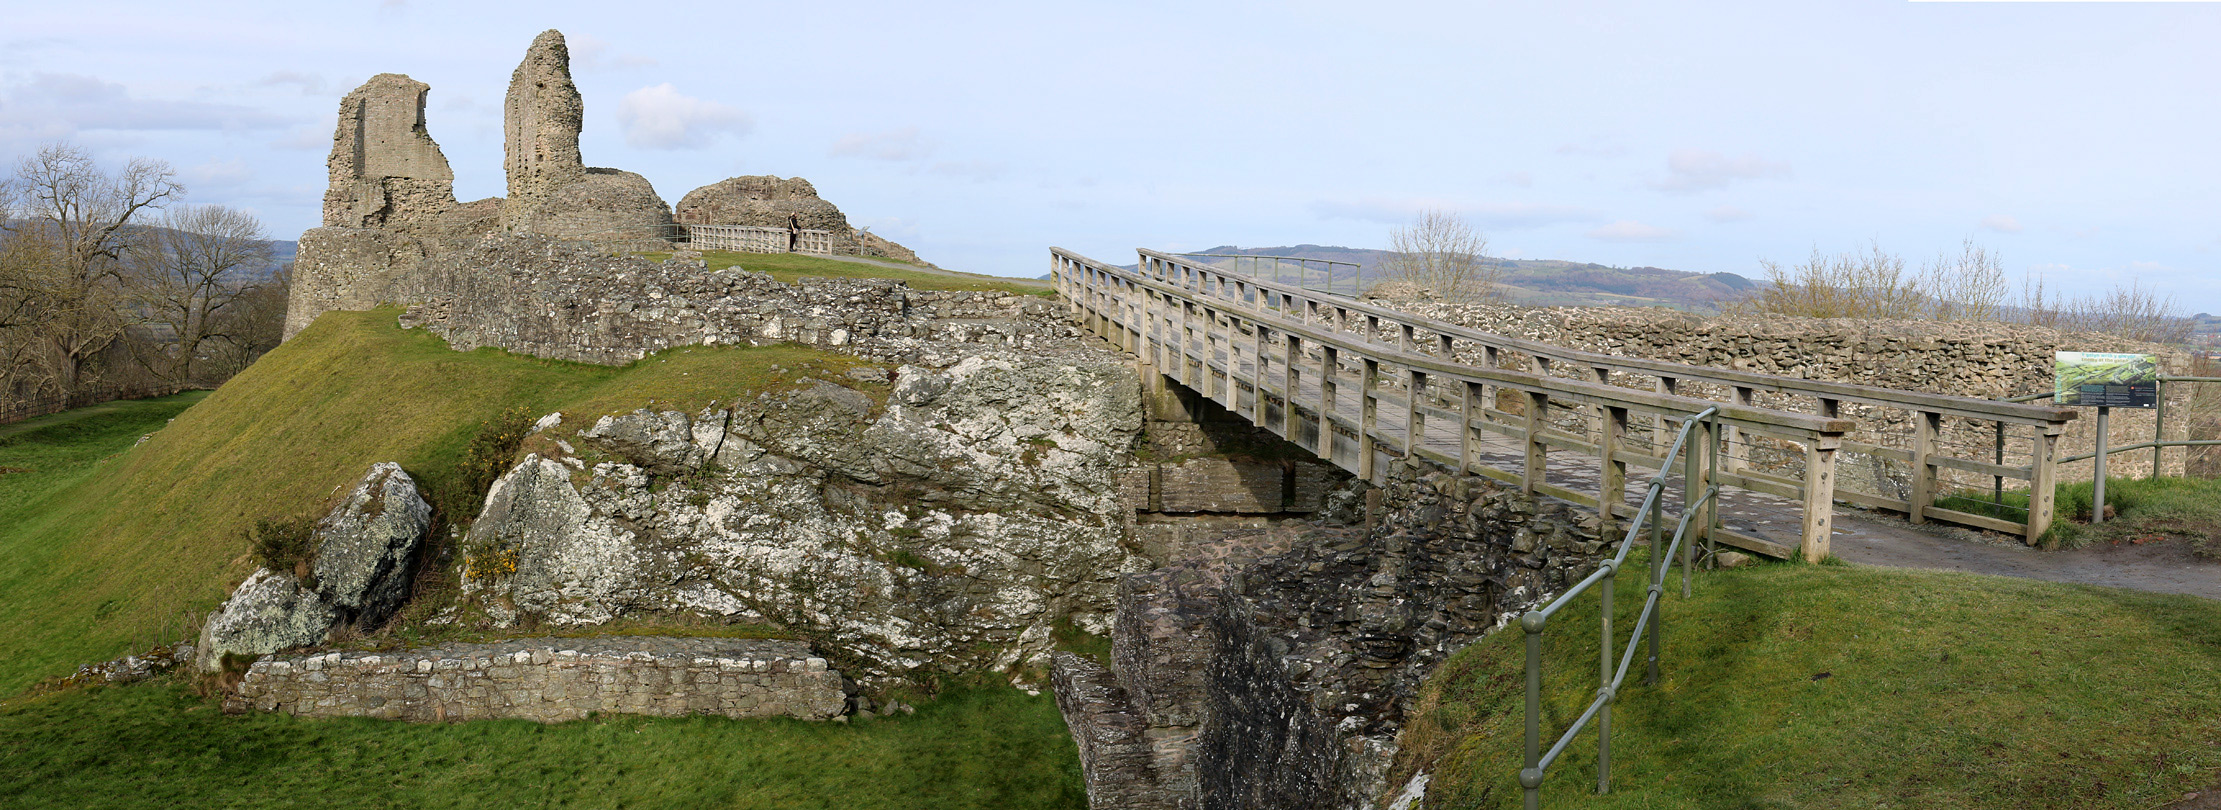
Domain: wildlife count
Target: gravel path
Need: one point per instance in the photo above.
(2162, 567)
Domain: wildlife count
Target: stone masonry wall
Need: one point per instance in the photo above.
(552, 680)
(1272, 668)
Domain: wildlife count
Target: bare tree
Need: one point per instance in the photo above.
(2132, 311)
(252, 325)
(77, 287)
(190, 271)
(1967, 287)
(1875, 283)
(1444, 255)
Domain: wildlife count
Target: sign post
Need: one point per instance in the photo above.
(2105, 380)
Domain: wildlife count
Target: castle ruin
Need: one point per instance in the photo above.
(391, 207)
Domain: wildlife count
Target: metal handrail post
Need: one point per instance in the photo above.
(1658, 568)
(1604, 688)
(1530, 778)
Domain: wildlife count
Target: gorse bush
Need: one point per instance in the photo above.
(488, 455)
(281, 544)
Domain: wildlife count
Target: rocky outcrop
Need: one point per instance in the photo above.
(386, 172)
(1275, 672)
(359, 573)
(552, 680)
(943, 523)
(541, 117)
(574, 301)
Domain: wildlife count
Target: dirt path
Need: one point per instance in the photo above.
(2163, 567)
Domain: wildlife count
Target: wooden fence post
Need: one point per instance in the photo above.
(2044, 482)
(1536, 454)
(1611, 492)
(1924, 474)
(1819, 524)
(1367, 417)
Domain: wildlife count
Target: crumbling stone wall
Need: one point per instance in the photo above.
(1275, 672)
(573, 301)
(551, 681)
(386, 172)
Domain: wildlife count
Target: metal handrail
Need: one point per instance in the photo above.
(1661, 563)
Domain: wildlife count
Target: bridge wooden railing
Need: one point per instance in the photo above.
(1915, 448)
(1264, 351)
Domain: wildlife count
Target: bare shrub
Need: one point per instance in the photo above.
(1443, 254)
(2131, 311)
(1874, 283)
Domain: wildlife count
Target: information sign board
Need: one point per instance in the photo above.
(2106, 379)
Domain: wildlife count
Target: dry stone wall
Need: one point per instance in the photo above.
(551, 681)
(1985, 360)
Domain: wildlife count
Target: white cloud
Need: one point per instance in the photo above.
(58, 105)
(1727, 213)
(1692, 170)
(311, 84)
(1520, 179)
(589, 52)
(1628, 230)
(894, 144)
(218, 173)
(2001, 223)
(659, 117)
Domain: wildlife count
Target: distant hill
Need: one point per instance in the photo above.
(1554, 282)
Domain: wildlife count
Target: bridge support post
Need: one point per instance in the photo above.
(1367, 417)
(1537, 454)
(1329, 360)
(1611, 491)
(1415, 420)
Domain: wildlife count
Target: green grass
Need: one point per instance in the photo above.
(2143, 508)
(108, 549)
(786, 267)
(158, 746)
(1793, 686)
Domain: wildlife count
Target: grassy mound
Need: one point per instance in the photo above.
(107, 547)
(157, 746)
(1840, 687)
(786, 267)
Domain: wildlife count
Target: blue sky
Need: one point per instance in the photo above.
(2077, 139)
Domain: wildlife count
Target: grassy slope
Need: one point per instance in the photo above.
(135, 546)
(786, 267)
(157, 746)
(2144, 508)
(1940, 690)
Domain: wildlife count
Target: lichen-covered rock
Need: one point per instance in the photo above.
(364, 547)
(947, 530)
(267, 613)
(360, 573)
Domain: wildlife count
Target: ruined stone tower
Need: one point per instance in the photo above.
(540, 124)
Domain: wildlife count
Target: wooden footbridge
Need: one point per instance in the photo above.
(1363, 385)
